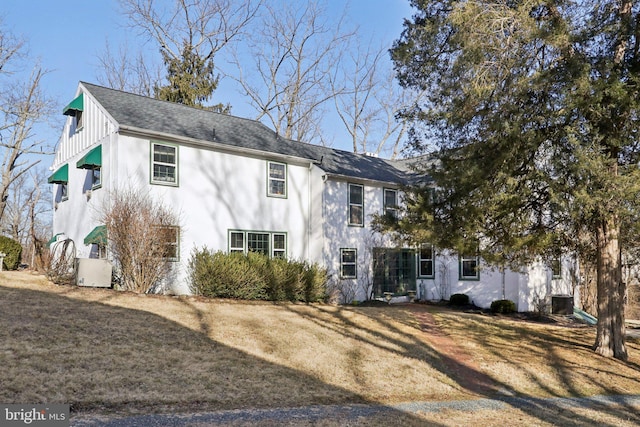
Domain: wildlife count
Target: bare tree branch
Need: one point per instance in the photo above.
(21, 106)
(293, 56)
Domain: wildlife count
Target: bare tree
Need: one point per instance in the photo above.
(22, 105)
(368, 100)
(202, 28)
(27, 218)
(286, 69)
(355, 84)
(142, 233)
(128, 71)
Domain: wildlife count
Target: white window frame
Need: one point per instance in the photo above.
(155, 180)
(174, 244)
(78, 119)
(356, 205)
(96, 183)
(556, 268)
(271, 179)
(469, 258)
(64, 191)
(343, 263)
(273, 251)
(391, 210)
(233, 246)
(432, 260)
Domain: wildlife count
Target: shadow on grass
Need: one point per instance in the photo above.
(536, 345)
(102, 359)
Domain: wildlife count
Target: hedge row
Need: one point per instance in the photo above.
(255, 277)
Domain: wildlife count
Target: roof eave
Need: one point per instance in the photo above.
(135, 131)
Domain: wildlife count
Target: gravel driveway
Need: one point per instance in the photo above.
(346, 413)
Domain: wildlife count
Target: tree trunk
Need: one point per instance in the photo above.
(610, 336)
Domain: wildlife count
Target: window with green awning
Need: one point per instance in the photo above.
(61, 176)
(98, 236)
(92, 159)
(75, 106)
(53, 240)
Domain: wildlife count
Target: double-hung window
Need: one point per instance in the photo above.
(64, 192)
(348, 263)
(270, 244)
(164, 164)
(96, 177)
(169, 242)
(426, 261)
(277, 179)
(356, 204)
(391, 202)
(469, 267)
(556, 268)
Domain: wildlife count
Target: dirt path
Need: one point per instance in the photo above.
(458, 364)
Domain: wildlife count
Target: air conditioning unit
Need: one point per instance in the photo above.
(93, 272)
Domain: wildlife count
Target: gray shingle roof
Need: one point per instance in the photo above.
(153, 115)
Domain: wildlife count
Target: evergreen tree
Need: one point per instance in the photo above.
(533, 108)
(191, 80)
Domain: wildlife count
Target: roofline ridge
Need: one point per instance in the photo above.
(179, 105)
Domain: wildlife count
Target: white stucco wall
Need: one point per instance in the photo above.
(525, 287)
(220, 189)
(340, 235)
(77, 216)
(217, 191)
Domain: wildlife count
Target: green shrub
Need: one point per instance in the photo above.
(13, 252)
(255, 277)
(459, 299)
(503, 306)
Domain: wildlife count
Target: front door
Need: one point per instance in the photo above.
(394, 270)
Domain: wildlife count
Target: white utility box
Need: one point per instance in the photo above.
(93, 272)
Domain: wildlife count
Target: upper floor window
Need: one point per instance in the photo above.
(164, 164)
(469, 264)
(75, 110)
(277, 179)
(391, 202)
(96, 178)
(64, 192)
(426, 258)
(356, 204)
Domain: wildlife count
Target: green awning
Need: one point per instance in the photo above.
(61, 176)
(53, 239)
(75, 105)
(98, 235)
(92, 159)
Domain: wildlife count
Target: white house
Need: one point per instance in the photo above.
(239, 186)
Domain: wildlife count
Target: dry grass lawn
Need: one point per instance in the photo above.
(107, 352)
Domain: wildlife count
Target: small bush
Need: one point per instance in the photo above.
(503, 306)
(459, 299)
(255, 277)
(13, 252)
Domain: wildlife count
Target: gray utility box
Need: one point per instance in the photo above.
(562, 304)
(93, 272)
